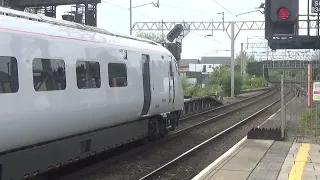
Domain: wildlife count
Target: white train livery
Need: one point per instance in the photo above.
(68, 91)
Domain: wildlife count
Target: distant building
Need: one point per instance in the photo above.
(205, 68)
(216, 60)
(184, 64)
(201, 69)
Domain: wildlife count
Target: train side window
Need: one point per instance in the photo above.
(117, 74)
(88, 74)
(49, 74)
(8, 75)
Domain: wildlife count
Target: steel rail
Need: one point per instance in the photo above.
(217, 117)
(144, 147)
(226, 106)
(212, 138)
(170, 136)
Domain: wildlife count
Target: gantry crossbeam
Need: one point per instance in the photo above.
(234, 26)
(216, 26)
(255, 45)
(283, 55)
(289, 66)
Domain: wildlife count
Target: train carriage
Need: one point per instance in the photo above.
(69, 91)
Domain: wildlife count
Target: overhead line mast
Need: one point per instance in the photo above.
(234, 26)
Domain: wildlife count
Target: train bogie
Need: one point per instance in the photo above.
(68, 93)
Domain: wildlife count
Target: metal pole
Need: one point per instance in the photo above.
(162, 34)
(263, 71)
(282, 108)
(223, 20)
(241, 59)
(310, 85)
(232, 59)
(308, 18)
(130, 17)
(245, 67)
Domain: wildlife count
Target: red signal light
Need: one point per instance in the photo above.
(283, 13)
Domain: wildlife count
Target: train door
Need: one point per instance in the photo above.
(171, 82)
(146, 83)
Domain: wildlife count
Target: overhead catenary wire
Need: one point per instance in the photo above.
(104, 1)
(231, 13)
(126, 9)
(181, 8)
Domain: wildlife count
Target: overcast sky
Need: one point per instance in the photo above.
(114, 15)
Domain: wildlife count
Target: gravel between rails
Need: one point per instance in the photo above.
(139, 165)
(229, 101)
(122, 153)
(187, 168)
(242, 96)
(214, 112)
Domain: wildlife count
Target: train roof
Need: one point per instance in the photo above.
(72, 25)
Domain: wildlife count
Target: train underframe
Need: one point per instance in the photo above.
(45, 157)
(160, 125)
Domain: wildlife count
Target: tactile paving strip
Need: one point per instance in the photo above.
(270, 165)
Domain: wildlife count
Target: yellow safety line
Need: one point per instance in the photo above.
(299, 163)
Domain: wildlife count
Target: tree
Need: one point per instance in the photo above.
(245, 57)
(238, 81)
(255, 68)
(221, 76)
(153, 37)
(237, 67)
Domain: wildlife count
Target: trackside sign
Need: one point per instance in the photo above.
(316, 91)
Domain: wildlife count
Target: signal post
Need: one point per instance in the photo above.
(282, 30)
(282, 26)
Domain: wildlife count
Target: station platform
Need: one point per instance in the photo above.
(257, 159)
(266, 160)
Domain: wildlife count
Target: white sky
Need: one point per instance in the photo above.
(114, 15)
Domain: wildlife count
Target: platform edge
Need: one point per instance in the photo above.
(227, 153)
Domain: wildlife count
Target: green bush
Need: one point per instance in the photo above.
(196, 90)
(220, 80)
(192, 90)
(219, 74)
(254, 82)
(310, 121)
(226, 87)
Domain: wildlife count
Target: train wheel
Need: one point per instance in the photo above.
(154, 127)
(163, 127)
(173, 121)
(178, 117)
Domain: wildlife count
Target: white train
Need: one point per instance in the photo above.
(68, 91)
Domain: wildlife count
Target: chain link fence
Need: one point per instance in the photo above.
(301, 122)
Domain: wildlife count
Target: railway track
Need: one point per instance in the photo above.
(186, 166)
(201, 117)
(210, 109)
(190, 123)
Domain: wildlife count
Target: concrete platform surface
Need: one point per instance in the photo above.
(302, 162)
(266, 160)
